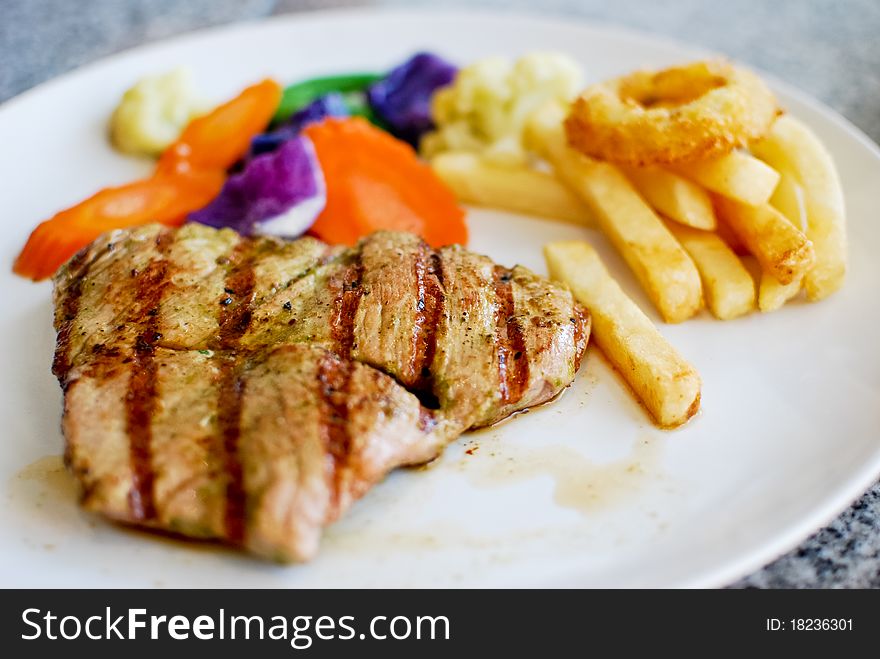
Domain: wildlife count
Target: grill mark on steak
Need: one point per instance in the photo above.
(79, 269)
(429, 311)
(229, 403)
(334, 378)
(238, 295)
(140, 404)
(334, 375)
(513, 360)
(141, 395)
(236, 310)
(347, 293)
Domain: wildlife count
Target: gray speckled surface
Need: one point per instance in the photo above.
(828, 48)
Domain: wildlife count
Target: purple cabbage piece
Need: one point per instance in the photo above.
(329, 105)
(403, 98)
(279, 193)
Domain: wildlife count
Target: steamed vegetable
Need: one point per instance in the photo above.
(375, 181)
(153, 112)
(297, 96)
(278, 193)
(164, 198)
(403, 98)
(329, 105)
(485, 108)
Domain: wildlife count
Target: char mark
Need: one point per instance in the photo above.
(236, 304)
(428, 268)
(234, 319)
(513, 360)
(229, 405)
(78, 269)
(334, 379)
(140, 402)
(141, 395)
(347, 289)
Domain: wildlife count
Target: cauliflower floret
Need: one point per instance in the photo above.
(153, 113)
(486, 107)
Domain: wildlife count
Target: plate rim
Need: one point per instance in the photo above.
(725, 573)
(556, 20)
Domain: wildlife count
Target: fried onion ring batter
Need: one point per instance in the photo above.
(680, 114)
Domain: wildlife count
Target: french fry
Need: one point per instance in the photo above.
(780, 248)
(516, 189)
(772, 294)
(736, 175)
(663, 268)
(674, 196)
(788, 199)
(668, 386)
(793, 148)
(727, 285)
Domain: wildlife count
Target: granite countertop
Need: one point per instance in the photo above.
(828, 48)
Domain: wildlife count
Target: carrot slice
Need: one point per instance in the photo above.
(221, 137)
(190, 174)
(164, 198)
(375, 181)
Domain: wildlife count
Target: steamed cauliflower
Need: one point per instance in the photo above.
(484, 110)
(153, 113)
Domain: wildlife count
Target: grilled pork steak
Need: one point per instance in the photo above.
(250, 390)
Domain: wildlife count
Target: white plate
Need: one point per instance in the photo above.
(584, 492)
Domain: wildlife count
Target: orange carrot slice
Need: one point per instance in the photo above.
(375, 181)
(221, 137)
(164, 198)
(190, 174)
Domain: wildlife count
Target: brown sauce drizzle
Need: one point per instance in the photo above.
(334, 378)
(140, 398)
(78, 269)
(348, 290)
(429, 311)
(513, 360)
(234, 319)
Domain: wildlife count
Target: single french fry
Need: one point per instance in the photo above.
(727, 286)
(736, 175)
(791, 147)
(673, 196)
(516, 188)
(772, 294)
(780, 248)
(663, 268)
(788, 199)
(668, 385)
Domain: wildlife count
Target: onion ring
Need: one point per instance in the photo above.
(680, 114)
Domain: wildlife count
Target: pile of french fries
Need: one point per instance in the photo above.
(682, 230)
